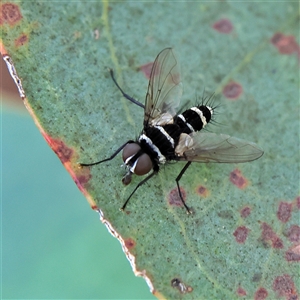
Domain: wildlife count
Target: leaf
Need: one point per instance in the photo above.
(241, 239)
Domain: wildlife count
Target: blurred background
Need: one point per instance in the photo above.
(53, 244)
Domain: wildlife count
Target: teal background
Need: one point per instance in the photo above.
(53, 244)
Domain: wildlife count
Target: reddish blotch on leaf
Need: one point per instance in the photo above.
(241, 292)
(269, 237)
(232, 90)
(261, 294)
(286, 44)
(129, 243)
(223, 26)
(237, 178)
(293, 233)
(21, 40)
(245, 212)
(202, 191)
(60, 148)
(10, 14)
(284, 211)
(284, 286)
(241, 234)
(174, 198)
(293, 254)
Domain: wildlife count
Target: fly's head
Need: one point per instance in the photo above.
(136, 161)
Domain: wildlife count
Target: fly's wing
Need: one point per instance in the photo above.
(220, 148)
(164, 89)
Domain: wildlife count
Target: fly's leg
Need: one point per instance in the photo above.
(123, 93)
(140, 183)
(177, 182)
(106, 159)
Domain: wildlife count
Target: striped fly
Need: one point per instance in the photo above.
(168, 136)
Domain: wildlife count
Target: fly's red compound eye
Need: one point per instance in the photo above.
(144, 165)
(130, 150)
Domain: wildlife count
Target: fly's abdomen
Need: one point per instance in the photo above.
(194, 119)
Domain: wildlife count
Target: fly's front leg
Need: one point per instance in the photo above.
(140, 183)
(106, 159)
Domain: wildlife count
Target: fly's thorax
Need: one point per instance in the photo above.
(151, 148)
(136, 160)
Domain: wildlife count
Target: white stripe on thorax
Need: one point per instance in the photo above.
(161, 158)
(170, 139)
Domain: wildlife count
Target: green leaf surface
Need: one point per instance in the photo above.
(242, 240)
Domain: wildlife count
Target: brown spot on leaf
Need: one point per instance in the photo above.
(223, 26)
(202, 191)
(286, 44)
(238, 179)
(284, 286)
(174, 198)
(60, 148)
(293, 233)
(241, 292)
(146, 69)
(232, 90)
(10, 14)
(261, 294)
(129, 243)
(245, 212)
(293, 254)
(83, 178)
(277, 244)
(21, 40)
(269, 237)
(284, 211)
(241, 234)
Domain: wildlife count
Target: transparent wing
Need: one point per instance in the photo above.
(164, 89)
(220, 148)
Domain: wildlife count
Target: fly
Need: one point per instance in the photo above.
(168, 136)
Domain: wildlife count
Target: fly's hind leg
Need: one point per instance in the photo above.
(189, 211)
